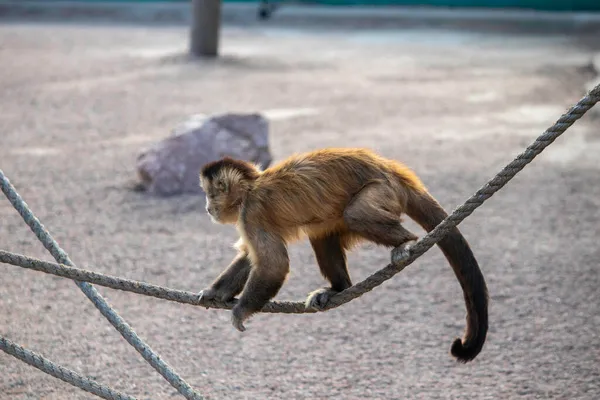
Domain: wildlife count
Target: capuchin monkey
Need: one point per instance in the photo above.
(337, 198)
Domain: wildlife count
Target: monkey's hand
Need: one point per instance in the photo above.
(212, 294)
(207, 295)
(318, 299)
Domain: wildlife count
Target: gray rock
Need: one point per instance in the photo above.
(172, 165)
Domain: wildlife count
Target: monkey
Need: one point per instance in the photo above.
(337, 197)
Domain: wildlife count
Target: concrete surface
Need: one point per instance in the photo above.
(79, 101)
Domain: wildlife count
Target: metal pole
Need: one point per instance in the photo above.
(206, 24)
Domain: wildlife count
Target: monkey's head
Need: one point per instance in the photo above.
(226, 183)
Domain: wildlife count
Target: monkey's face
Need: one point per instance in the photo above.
(221, 204)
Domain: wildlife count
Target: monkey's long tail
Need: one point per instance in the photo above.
(428, 213)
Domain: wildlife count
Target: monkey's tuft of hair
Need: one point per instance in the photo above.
(212, 169)
(463, 353)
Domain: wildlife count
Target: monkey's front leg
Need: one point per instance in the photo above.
(270, 266)
(231, 281)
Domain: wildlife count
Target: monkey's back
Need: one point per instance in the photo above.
(310, 191)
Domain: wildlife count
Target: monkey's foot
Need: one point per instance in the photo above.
(318, 299)
(238, 316)
(399, 251)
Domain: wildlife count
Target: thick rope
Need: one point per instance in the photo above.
(101, 304)
(147, 289)
(400, 259)
(59, 372)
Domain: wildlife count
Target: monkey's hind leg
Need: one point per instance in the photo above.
(270, 266)
(374, 213)
(230, 282)
(332, 263)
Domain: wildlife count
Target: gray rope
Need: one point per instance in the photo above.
(59, 372)
(400, 259)
(101, 304)
(143, 288)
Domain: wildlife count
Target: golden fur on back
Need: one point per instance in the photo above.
(318, 186)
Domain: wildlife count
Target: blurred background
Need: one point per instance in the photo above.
(107, 109)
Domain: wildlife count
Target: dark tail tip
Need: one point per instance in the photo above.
(465, 353)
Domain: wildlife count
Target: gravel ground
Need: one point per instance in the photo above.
(78, 102)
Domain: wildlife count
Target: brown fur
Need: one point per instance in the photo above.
(336, 197)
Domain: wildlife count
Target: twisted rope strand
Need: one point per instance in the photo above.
(49, 367)
(101, 304)
(143, 288)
